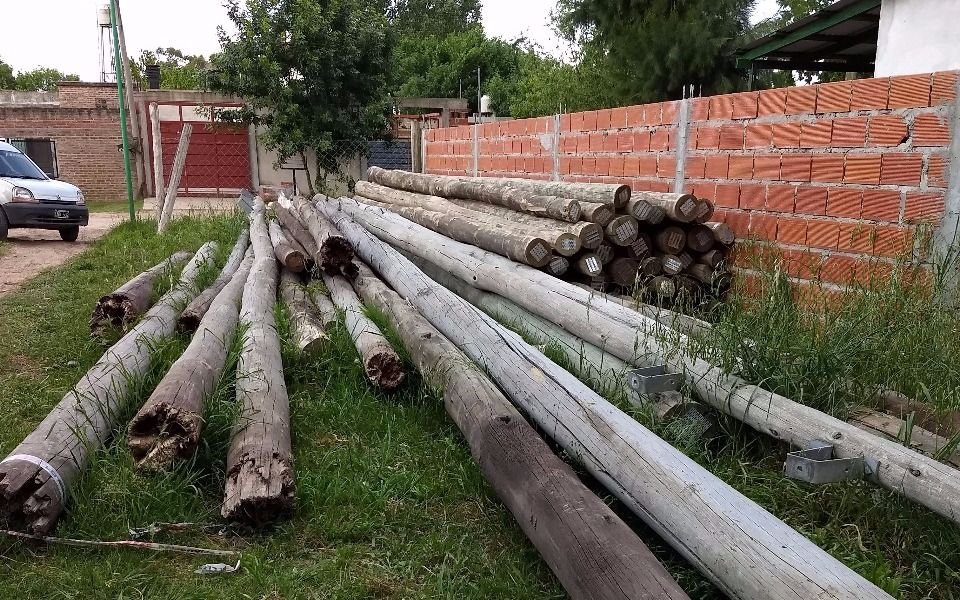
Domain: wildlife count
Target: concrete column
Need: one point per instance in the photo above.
(946, 239)
(683, 130)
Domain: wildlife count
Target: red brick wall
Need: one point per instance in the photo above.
(838, 175)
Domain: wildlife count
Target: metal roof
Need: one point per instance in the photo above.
(841, 37)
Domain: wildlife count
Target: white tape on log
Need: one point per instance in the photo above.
(47, 467)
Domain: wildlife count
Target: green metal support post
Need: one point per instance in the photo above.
(118, 68)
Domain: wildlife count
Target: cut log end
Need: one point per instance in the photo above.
(295, 263)
(538, 253)
(591, 236)
(385, 370)
(336, 251)
(558, 266)
(622, 230)
(259, 494)
(162, 436)
(30, 499)
(568, 244)
(113, 311)
(188, 322)
(622, 196)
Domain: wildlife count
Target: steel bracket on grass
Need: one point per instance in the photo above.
(815, 464)
(651, 380)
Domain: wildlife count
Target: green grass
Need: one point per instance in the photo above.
(389, 501)
(113, 206)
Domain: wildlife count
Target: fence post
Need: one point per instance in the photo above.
(683, 127)
(423, 150)
(555, 151)
(416, 156)
(476, 149)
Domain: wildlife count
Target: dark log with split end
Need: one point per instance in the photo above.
(589, 264)
(307, 327)
(167, 429)
(601, 214)
(661, 288)
(679, 207)
(381, 363)
(623, 271)
(594, 555)
(671, 264)
(713, 259)
(622, 230)
(292, 226)
(705, 210)
(700, 239)
(494, 191)
(527, 249)
(688, 289)
(600, 193)
(558, 266)
(671, 240)
(119, 309)
(645, 212)
(190, 317)
(651, 477)
(605, 253)
(333, 250)
(722, 233)
(650, 266)
(702, 273)
(260, 485)
(685, 259)
(639, 248)
(290, 257)
(36, 477)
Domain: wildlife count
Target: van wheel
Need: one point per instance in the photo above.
(4, 226)
(70, 234)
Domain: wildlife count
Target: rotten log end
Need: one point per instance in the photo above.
(259, 494)
(163, 435)
(30, 499)
(385, 370)
(336, 251)
(295, 263)
(188, 323)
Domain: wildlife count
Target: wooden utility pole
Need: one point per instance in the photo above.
(133, 114)
(158, 187)
(179, 162)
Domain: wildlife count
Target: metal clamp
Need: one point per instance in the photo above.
(652, 380)
(815, 464)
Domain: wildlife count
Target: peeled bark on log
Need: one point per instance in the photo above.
(651, 477)
(493, 191)
(593, 553)
(600, 193)
(589, 264)
(307, 327)
(558, 266)
(671, 240)
(590, 234)
(120, 308)
(325, 307)
(291, 258)
(705, 210)
(679, 207)
(333, 250)
(167, 428)
(564, 242)
(601, 214)
(722, 233)
(260, 484)
(190, 317)
(527, 249)
(622, 230)
(623, 271)
(700, 239)
(291, 224)
(381, 363)
(36, 477)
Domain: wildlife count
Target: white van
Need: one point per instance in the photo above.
(30, 199)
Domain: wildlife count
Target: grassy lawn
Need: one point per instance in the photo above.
(390, 503)
(113, 206)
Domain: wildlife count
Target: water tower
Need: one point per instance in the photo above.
(108, 73)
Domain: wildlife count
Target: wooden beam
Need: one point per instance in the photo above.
(179, 161)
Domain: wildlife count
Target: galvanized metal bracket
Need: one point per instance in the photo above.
(815, 464)
(651, 380)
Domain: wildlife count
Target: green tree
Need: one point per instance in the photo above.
(660, 46)
(7, 79)
(41, 79)
(431, 17)
(178, 71)
(313, 74)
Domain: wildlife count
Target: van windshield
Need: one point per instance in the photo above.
(15, 164)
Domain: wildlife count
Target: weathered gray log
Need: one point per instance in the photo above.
(167, 429)
(558, 266)
(616, 195)
(713, 258)
(190, 318)
(307, 325)
(563, 242)
(623, 271)
(590, 234)
(643, 211)
(120, 308)
(674, 320)
(593, 553)
(601, 214)
(36, 477)
(679, 207)
(260, 485)
(179, 162)
(333, 250)
(700, 239)
(158, 187)
(325, 308)
(686, 259)
(703, 273)
(528, 249)
(722, 233)
(290, 257)
(671, 264)
(622, 230)
(381, 363)
(895, 429)
(671, 240)
(651, 477)
(493, 191)
(589, 264)
(291, 225)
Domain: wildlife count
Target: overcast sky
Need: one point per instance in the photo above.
(63, 33)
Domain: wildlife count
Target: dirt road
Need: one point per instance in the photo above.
(29, 252)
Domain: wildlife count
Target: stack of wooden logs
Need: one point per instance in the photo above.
(658, 246)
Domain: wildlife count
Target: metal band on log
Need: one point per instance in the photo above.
(593, 553)
(651, 477)
(260, 479)
(190, 317)
(36, 477)
(120, 308)
(307, 326)
(167, 428)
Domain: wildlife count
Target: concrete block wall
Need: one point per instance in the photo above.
(839, 176)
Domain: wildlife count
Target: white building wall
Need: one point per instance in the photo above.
(918, 36)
